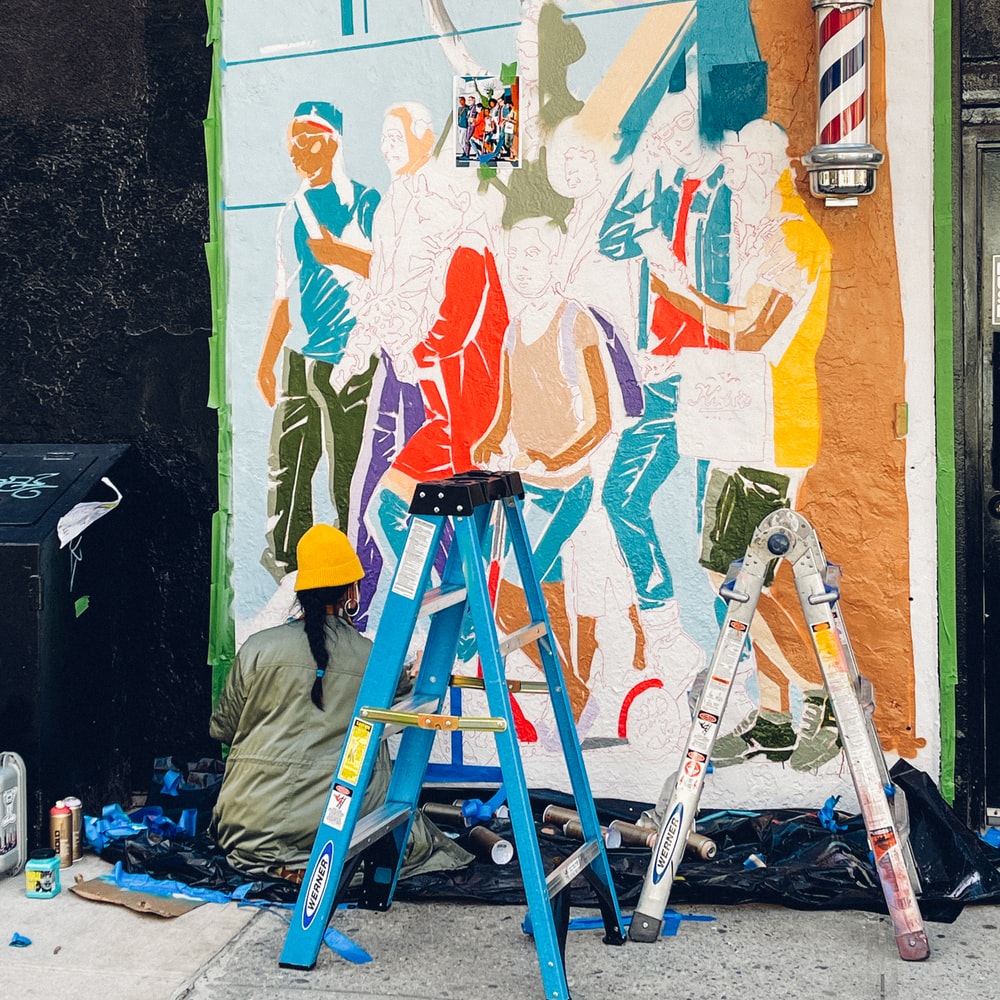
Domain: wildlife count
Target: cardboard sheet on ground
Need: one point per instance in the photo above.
(101, 890)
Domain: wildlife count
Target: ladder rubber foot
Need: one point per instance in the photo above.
(294, 965)
(644, 928)
(913, 947)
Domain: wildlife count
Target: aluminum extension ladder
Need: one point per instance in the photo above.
(379, 838)
(784, 534)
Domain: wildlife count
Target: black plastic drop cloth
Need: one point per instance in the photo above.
(806, 864)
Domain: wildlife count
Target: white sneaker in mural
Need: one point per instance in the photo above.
(819, 738)
(670, 652)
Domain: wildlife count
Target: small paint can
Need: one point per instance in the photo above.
(76, 824)
(41, 874)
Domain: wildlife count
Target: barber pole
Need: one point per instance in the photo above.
(843, 163)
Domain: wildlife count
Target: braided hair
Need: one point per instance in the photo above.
(314, 604)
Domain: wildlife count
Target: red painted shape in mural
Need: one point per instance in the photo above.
(464, 346)
(526, 732)
(642, 686)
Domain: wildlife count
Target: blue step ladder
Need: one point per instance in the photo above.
(377, 841)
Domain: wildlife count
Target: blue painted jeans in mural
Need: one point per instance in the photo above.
(646, 455)
(551, 516)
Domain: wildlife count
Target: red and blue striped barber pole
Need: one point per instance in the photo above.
(843, 163)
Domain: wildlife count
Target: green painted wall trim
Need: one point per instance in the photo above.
(944, 394)
(221, 635)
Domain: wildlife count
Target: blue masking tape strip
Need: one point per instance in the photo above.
(114, 822)
(826, 815)
(166, 887)
(19, 941)
(991, 836)
(345, 947)
(337, 942)
(172, 782)
(189, 821)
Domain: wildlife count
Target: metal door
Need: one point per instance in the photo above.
(981, 443)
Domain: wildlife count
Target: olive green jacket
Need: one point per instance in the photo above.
(284, 752)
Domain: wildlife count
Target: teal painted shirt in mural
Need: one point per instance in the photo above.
(323, 296)
(706, 219)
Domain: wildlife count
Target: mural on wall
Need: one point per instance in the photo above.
(567, 240)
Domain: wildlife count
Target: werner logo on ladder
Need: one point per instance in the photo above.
(377, 841)
(784, 534)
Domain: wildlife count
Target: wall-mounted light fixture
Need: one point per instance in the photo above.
(843, 163)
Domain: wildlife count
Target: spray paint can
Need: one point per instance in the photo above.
(559, 815)
(438, 812)
(634, 835)
(701, 846)
(76, 817)
(491, 845)
(41, 874)
(574, 829)
(61, 832)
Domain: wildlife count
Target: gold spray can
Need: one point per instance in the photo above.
(76, 817)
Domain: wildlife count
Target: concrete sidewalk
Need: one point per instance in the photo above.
(441, 950)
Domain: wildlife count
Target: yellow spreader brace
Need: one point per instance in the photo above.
(513, 685)
(424, 720)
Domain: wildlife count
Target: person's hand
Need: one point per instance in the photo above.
(267, 383)
(484, 452)
(541, 458)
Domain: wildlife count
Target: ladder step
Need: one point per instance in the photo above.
(522, 637)
(428, 720)
(513, 685)
(376, 825)
(438, 598)
(571, 867)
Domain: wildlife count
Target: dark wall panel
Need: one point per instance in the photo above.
(104, 303)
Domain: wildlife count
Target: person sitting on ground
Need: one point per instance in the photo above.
(284, 711)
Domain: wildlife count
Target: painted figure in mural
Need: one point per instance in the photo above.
(781, 281)
(394, 309)
(736, 266)
(457, 356)
(673, 208)
(553, 412)
(325, 230)
(581, 169)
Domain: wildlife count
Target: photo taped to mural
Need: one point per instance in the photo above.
(634, 319)
(486, 118)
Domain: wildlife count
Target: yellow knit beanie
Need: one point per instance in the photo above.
(326, 559)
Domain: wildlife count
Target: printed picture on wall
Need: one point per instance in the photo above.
(486, 120)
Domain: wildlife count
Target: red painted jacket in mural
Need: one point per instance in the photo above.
(461, 355)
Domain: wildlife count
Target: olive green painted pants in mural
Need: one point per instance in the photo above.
(310, 418)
